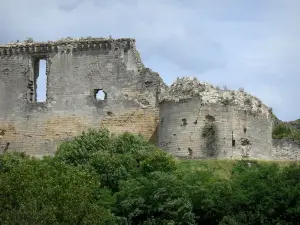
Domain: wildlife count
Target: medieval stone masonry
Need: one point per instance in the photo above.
(190, 119)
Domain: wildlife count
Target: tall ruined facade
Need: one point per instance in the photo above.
(76, 70)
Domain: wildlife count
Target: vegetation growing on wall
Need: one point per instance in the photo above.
(226, 101)
(284, 130)
(295, 124)
(248, 101)
(97, 178)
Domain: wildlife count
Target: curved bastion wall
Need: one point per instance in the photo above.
(198, 120)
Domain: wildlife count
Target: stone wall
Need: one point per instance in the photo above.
(284, 149)
(191, 119)
(76, 69)
(188, 128)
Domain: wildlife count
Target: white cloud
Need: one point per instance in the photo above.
(252, 44)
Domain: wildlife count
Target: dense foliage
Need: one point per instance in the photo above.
(287, 130)
(97, 178)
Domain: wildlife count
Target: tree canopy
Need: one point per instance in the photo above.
(100, 178)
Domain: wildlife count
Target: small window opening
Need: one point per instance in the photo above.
(40, 80)
(233, 143)
(100, 95)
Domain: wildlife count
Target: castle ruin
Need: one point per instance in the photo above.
(190, 119)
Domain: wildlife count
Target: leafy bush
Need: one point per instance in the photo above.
(255, 193)
(81, 149)
(159, 198)
(97, 178)
(248, 101)
(226, 101)
(282, 130)
(9, 160)
(51, 192)
(243, 165)
(115, 158)
(265, 194)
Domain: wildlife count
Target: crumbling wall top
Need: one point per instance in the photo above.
(68, 44)
(190, 87)
(68, 40)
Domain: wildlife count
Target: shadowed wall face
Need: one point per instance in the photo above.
(191, 129)
(76, 72)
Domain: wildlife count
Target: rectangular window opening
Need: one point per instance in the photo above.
(233, 141)
(40, 78)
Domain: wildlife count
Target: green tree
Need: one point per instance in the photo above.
(50, 192)
(265, 194)
(115, 158)
(81, 149)
(9, 160)
(208, 194)
(159, 198)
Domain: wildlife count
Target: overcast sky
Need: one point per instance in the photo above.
(254, 44)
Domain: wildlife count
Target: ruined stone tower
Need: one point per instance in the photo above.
(198, 120)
